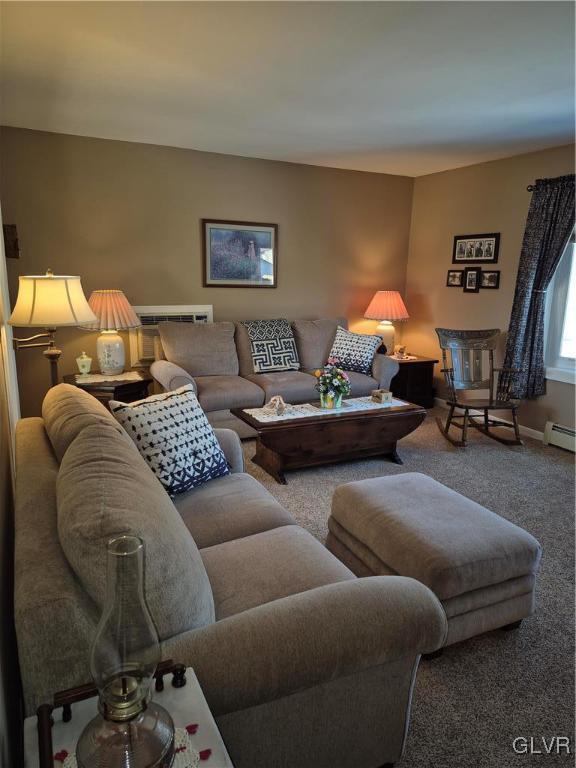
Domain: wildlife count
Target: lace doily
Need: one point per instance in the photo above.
(185, 755)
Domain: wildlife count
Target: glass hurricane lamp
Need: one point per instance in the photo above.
(130, 731)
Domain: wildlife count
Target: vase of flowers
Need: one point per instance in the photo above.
(332, 383)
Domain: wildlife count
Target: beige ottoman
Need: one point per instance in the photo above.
(481, 567)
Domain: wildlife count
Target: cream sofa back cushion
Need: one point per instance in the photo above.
(67, 410)
(314, 339)
(203, 349)
(104, 489)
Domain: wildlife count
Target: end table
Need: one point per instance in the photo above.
(414, 381)
(126, 391)
(187, 706)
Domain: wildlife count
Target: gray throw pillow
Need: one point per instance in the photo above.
(175, 438)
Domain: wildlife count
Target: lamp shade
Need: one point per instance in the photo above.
(113, 312)
(50, 301)
(386, 305)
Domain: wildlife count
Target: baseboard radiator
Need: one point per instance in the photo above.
(563, 437)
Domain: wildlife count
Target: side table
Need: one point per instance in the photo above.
(125, 391)
(414, 381)
(186, 705)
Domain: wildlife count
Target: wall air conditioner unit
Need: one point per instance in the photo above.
(563, 437)
(142, 339)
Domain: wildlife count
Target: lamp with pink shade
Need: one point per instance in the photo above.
(113, 313)
(387, 307)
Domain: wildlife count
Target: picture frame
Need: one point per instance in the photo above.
(239, 254)
(455, 278)
(472, 276)
(476, 249)
(490, 279)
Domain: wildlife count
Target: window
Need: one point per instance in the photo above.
(560, 353)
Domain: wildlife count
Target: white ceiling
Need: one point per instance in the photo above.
(398, 87)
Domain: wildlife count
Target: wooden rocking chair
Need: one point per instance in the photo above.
(465, 371)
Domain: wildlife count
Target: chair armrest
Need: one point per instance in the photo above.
(232, 447)
(171, 376)
(384, 369)
(310, 638)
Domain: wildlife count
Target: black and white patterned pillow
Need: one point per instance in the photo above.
(354, 351)
(273, 345)
(172, 433)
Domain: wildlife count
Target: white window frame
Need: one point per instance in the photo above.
(559, 368)
(10, 375)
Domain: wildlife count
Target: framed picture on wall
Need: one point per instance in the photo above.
(455, 278)
(472, 276)
(470, 249)
(490, 279)
(239, 254)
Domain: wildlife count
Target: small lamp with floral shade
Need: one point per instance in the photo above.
(113, 313)
(388, 307)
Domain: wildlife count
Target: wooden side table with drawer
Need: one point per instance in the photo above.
(125, 391)
(414, 381)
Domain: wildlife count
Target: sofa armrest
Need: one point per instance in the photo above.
(310, 638)
(384, 369)
(171, 376)
(232, 447)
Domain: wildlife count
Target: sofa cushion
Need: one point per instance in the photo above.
(360, 384)
(104, 489)
(314, 339)
(272, 345)
(202, 349)
(217, 393)
(224, 420)
(354, 351)
(173, 435)
(229, 508)
(244, 349)
(67, 410)
(257, 569)
(294, 386)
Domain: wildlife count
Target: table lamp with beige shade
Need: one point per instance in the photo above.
(49, 301)
(388, 307)
(113, 313)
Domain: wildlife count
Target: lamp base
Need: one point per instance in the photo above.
(146, 740)
(110, 353)
(52, 354)
(386, 330)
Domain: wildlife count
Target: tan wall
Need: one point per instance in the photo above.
(8, 697)
(490, 197)
(127, 216)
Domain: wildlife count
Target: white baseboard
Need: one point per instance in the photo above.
(527, 431)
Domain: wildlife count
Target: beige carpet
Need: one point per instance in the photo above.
(472, 702)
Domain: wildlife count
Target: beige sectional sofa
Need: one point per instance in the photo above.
(217, 359)
(302, 664)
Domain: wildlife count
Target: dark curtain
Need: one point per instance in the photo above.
(548, 228)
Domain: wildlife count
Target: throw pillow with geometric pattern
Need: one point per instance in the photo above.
(172, 433)
(273, 345)
(354, 351)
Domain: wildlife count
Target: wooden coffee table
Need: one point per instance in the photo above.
(326, 438)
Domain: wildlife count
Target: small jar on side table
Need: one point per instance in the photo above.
(106, 389)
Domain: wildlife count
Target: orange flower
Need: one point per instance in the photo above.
(317, 373)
